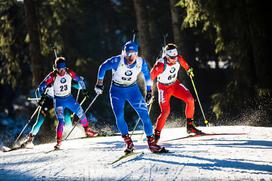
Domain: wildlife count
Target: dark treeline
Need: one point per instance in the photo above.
(228, 43)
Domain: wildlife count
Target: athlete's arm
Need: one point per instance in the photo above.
(109, 64)
(156, 70)
(77, 79)
(46, 82)
(183, 63)
(146, 73)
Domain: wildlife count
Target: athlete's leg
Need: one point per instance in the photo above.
(184, 94)
(72, 105)
(67, 118)
(137, 101)
(47, 105)
(36, 127)
(164, 102)
(59, 111)
(77, 109)
(117, 99)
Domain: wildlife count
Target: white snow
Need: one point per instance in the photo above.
(222, 157)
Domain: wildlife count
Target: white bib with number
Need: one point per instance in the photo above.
(127, 76)
(62, 85)
(170, 73)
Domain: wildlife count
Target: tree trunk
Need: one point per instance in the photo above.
(142, 26)
(259, 40)
(176, 24)
(34, 41)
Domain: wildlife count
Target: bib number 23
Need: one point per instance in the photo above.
(63, 88)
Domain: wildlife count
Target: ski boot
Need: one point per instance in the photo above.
(157, 135)
(191, 129)
(153, 147)
(129, 144)
(28, 143)
(57, 146)
(89, 132)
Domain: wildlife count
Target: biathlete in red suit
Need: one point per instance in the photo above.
(166, 71)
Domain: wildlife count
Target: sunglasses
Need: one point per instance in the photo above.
(171, 57)
(129, 54)
(60, 69)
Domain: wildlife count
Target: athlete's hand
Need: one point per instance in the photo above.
(42, 89)
(148, 97)
(85, 92)
(190, 72)
(98, 89)
(41, 101)
(82, 85)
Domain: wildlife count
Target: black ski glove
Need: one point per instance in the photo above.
(99, 89)
(85, 92)
(148, 97)
(42, 100)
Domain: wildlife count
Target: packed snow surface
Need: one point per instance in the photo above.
(244, 155)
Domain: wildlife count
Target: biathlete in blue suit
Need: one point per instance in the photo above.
(125, 70)
(61, 81)
(46, 103)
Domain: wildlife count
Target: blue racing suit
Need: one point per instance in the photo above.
(47, 105)
(124, 88)
(63, 98)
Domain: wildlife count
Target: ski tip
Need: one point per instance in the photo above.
(53, 150)
(164, 150)
(5, 149)
(57, 148)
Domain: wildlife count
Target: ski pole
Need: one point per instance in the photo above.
(165, 39)
(91, 103)
(134, 35)
(36, 94)
(133, 38)
(33, 99)
(55, 53)
(85, 113)
(204, 117)
(38, 109)
(149, 109)
(148, 113)
(56, 56)
(161, 53)
(78, 92)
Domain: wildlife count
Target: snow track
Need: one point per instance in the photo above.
(221, 157)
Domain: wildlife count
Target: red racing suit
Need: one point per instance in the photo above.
(168, 85)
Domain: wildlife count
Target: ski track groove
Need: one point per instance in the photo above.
(126, 177)
(150, 172)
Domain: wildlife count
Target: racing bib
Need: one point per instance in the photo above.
(62, 85)
(170, 73)
(127, 76)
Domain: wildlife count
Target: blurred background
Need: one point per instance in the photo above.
(228, 43)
